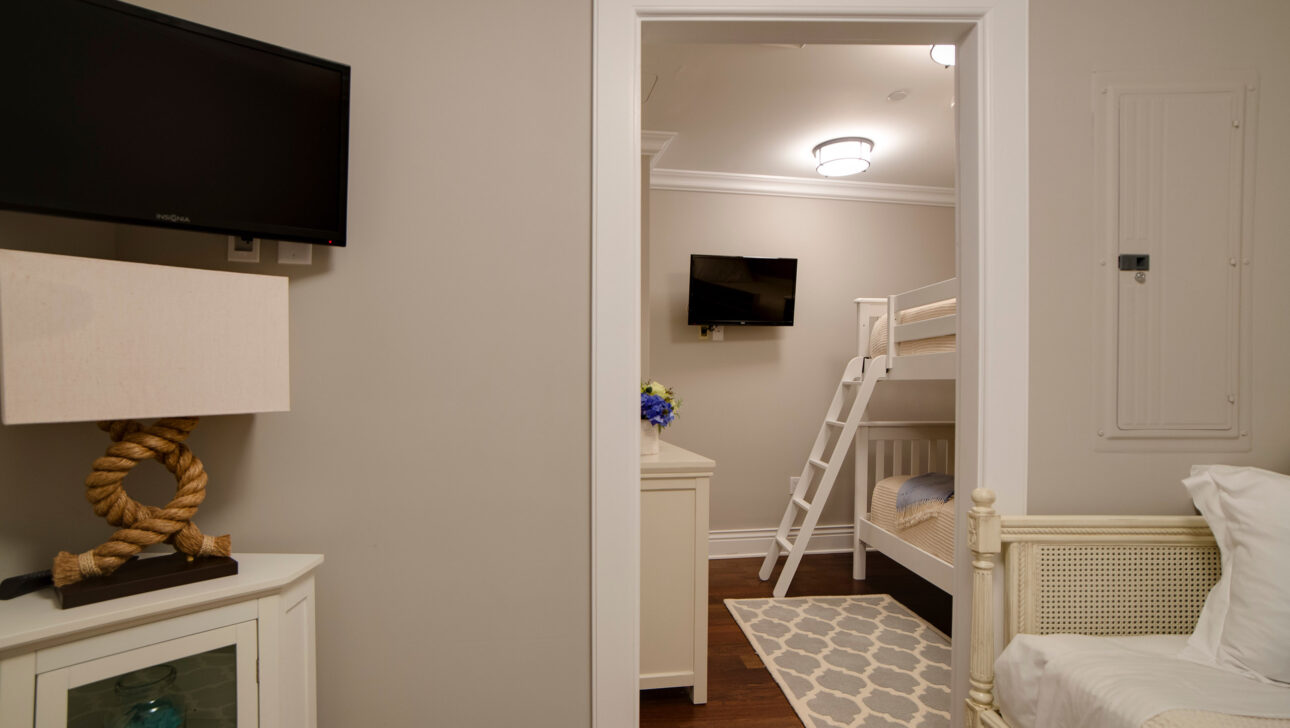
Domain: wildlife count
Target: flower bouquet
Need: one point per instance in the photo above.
(658, 409)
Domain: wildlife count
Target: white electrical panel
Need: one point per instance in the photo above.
(1174, 175)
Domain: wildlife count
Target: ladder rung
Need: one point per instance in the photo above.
(819, 464)
(835, 423)
(851, 382)
(801, 503)
(784, 543)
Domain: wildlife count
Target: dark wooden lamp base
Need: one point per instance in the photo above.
(139, 575)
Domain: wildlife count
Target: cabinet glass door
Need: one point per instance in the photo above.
(204, 680)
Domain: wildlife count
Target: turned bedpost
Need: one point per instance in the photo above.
(984, 541)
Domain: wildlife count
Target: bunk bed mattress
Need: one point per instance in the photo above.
(935, 535)
(934, 345)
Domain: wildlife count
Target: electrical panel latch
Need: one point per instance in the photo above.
(1134, 261)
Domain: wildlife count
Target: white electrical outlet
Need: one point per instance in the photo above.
(718, 333)
(792, 483)
(241, 250)
(295, 253)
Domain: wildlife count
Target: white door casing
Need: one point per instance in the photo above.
(993, 267)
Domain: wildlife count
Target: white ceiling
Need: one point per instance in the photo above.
(759, 109)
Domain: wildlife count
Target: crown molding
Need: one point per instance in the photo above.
(654, 143)
(757, 184)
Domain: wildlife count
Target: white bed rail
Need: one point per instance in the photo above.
(927, 294)
(939, 326)
(940, 365)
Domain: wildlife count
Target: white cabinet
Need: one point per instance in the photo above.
(674, 570)
(234, 651)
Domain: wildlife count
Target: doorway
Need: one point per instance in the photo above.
(992, 267)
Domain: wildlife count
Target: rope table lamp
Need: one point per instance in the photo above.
(217, 344)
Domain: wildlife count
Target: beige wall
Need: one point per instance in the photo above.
(755, 401)
(411, 356)
(1068, 42)
(438, 442)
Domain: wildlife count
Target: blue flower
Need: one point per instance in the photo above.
(656, 410)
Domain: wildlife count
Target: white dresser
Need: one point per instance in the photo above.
(241, 648)
(674, 570)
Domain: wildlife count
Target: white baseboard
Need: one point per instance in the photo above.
(742, 543)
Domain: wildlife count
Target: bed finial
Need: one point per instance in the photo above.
(984, 540)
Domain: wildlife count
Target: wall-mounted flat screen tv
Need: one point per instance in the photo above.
(731, 290)
(113, 112)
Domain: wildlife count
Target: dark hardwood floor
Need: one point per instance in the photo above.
(741, 691)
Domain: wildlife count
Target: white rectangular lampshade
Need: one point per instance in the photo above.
(86, 339)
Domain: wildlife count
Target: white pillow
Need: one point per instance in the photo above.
(1245, 624)
(1202, 646)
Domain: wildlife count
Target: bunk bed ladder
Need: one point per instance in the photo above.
(821, 470)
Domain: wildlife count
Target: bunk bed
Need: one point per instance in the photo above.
(923, 324)
(905, 337)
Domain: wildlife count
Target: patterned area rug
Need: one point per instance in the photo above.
(851, 661)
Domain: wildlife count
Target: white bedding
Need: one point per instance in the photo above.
(933, 345)
(1075, 681)
(935, 536)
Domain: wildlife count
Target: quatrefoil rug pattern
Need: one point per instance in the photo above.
(850, 662)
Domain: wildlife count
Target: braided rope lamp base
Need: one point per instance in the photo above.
(112, 570)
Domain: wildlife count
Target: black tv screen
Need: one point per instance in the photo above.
(117, 113)
(729, 290)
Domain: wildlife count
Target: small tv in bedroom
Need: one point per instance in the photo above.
(118, 113)
(732, 290)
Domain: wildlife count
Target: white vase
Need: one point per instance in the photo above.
(649, 438)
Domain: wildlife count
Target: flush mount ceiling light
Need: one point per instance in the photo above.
(943, 54)
(842, 156)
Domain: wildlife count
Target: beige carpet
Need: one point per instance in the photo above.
(847, 662)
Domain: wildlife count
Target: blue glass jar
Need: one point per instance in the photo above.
(149, 700)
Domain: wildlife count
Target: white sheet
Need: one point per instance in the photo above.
(1075, 681)
(934, 345)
